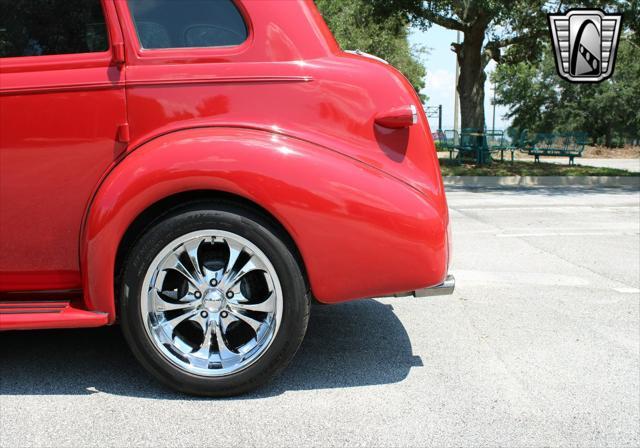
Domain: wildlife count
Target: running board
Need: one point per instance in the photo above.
(46, 314)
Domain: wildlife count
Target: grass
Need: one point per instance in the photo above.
(497, 168)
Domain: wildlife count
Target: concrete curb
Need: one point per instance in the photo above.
(542, 181)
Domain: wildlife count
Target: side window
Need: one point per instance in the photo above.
(47, 27)
(187, 23)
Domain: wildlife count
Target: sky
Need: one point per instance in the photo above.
(441, 72)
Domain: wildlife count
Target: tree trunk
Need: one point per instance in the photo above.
(471, 83)
(608, 138)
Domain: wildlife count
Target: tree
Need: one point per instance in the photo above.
(487, 27)
(529, 90)
(506, 31)
(540, 101)
(357, 26)
(632, 19)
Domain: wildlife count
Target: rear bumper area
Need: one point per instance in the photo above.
(446, 288)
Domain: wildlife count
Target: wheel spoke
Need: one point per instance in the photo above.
(225, 321)
(253, 323)
(212, 275)
(235, 249)
(264, 307)
(178, 320)
(173, 262)
(204, 352)
(173, 295)
(227, 357)
(191, 248)
(162, 305)
(173, 323)
(253, 264)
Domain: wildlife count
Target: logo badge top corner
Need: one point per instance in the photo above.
(585, 43)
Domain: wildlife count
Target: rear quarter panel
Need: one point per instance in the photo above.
(361, 232)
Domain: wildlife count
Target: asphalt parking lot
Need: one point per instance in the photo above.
(539, 346)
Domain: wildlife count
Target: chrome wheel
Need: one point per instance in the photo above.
(211, 303)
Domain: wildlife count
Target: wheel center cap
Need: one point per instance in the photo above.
(213, 300)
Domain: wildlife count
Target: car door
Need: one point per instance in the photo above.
(62, 124)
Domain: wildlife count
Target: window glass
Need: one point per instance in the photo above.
(187, 23)
(46, 27)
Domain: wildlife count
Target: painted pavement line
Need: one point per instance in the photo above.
(547, 234)
(550, 207)
(627, 290)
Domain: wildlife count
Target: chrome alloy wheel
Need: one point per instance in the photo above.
(211, 303)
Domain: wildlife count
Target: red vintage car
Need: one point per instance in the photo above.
(200, 171)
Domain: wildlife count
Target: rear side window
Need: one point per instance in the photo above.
(187, 23)
(47, 27)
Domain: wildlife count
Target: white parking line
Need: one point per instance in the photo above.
(545, 208)
(518, 278)
(627, 290)
(547, 234)
(475, 277)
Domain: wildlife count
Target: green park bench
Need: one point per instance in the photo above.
(472, 144)
(447, 141)
(475, 143)
(462, 143)
(567, 144)
(497, 141)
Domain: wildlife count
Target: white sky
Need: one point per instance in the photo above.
(441, 71)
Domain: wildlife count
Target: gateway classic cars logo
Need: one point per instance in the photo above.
(585, 43)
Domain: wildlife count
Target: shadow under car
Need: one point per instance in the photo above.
(352, 344)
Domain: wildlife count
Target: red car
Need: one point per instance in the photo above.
(199, 171)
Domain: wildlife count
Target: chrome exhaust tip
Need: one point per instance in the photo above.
(445, 288)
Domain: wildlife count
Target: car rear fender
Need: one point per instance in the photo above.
(360, 232)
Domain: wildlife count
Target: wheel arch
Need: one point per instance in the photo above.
(187, 199)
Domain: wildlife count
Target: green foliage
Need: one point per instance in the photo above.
(539, 100)
(488, 29)
(506, 31)
(515, 34)
(501, 23)
(78, 28)
(356, 26)
(507, 168)
(631, 19)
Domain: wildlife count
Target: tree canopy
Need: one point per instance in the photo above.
(513, 33)
(488, 27)
(357, 25)
(506, 31)
(540, 101)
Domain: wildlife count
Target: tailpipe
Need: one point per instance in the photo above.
(445, 288)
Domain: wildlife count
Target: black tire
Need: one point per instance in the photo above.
(270, 240)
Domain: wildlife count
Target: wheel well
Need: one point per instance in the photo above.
(173, 203)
